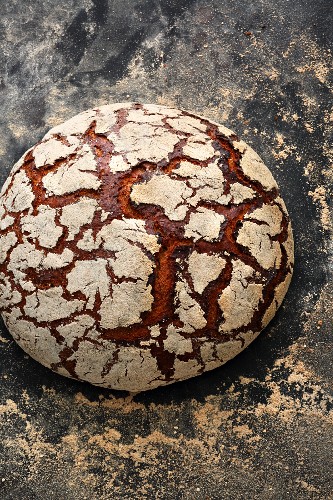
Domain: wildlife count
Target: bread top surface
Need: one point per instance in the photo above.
(141, 234)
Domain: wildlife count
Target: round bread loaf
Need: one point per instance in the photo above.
(140, 245)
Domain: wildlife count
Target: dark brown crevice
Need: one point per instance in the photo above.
(68, 364)
(107, 367)
(212, 293)
(164, 359)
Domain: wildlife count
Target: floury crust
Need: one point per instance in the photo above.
(140, 245)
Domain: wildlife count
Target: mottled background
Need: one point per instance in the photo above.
(261, 426)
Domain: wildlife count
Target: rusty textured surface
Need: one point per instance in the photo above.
(261, 426)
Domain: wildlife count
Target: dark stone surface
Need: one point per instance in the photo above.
(261, 426)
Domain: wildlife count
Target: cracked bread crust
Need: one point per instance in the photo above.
(140, 245)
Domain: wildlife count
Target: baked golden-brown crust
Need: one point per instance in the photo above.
(140, 245)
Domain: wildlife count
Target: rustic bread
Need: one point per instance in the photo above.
(140, 245)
